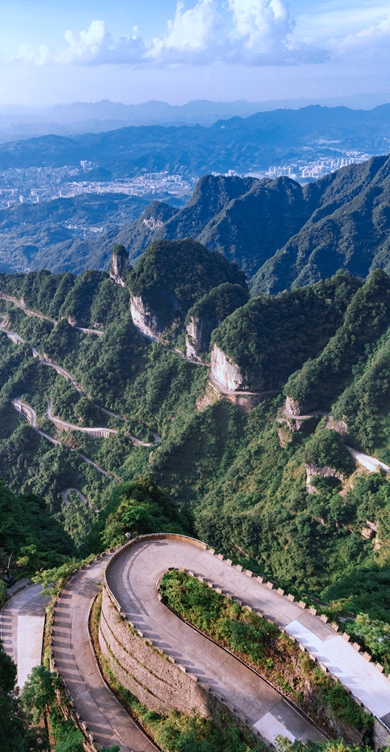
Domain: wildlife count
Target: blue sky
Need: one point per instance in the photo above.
(133, 50)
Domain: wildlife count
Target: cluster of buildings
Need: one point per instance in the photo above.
(308, 171)
(35, 184)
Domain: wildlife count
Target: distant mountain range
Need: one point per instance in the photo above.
(92, 117)
(244, 145)
(281, 234)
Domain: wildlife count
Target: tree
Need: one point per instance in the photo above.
(39, 692)
(16, 734)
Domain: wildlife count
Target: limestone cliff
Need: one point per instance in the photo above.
(170, 278)
(225, 372)
(324, 472)
(198, 336)
(208, 313)
(229, 376)
(119, 264)
(295, 408)
(144, 319)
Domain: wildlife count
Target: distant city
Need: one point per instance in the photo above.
(36, 184)
(33, 185)
(308, 171)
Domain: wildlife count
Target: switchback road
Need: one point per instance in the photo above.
(74, 658)
(20, 304)
(132, 579)
(24, 409)
(92, 431)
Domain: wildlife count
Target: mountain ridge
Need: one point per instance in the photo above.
(242, 144)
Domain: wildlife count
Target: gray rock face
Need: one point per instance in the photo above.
(225, 372)
(294, 408)
(198, 336)
(324, 472)
(119, 264)
(144, 319)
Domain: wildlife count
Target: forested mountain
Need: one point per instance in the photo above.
(171, 400)
(241, 475)
(348, 228)
(67, 233)
(295, 235)
(281, 234)
(239, 143)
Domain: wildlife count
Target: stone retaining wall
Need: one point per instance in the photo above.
(144, 670)
(381, 735)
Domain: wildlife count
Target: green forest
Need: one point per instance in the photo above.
(236, 479)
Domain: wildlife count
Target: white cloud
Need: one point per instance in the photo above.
(256, 32)
(192, 31)
(26, 54)
(373, 38)
(252, 32)
(87, 46)
(260, 22)
(95, 46)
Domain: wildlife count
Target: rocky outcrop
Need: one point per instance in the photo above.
(293, 407)
(152, 223)
(324, 472)
(225, 372)
(144, 319)
(198, 336)
(228, 376)
(119, 264)
(337, 425)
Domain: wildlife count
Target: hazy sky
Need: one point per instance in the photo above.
(133, 50)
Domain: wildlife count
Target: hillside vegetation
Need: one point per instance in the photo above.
(234, 479)
(282, 235)
(270, 337)
(172, 276)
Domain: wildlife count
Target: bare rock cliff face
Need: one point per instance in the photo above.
(225, 372)
(198, 336)
(144, 319)
(119, 265)
(295, 408)
(324, 472)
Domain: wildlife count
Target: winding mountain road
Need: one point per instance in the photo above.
(101, 431)
(24, 409)
(372, 464)
(74, 658)
(65, 496)
(133, 577)
(20, 304)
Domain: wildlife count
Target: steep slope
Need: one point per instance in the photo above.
(282, 235)
(349, 228)
(242, 476)
(170, 277)
(270, 337)
(245, 219)
(208, 313)
(365, 320)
